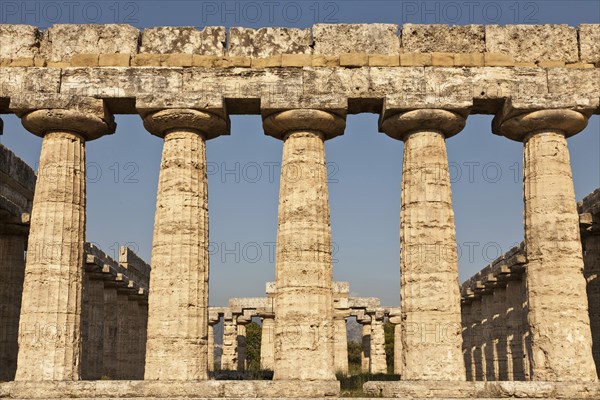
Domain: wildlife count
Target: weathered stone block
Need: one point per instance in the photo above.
(62, 41)
(184, 39)
(177, 60)
(267, 62)
(498, 60)
(589, 43)
(533, 42)
(325, 61)
(22, 62)
(442, 59)
(468, 60)
(19, 41)
(266, 42)
(5, 62)
(296, 60)
(351, 38)
(114, 60)
(383, 60)
(84, 60)
(415, 59)
(551, 64)
(442, 38)
(147, 60)
(354, 60)
(240, 61)
(25, 80)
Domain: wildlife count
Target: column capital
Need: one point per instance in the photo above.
(517, 120)
(401, 124)
(160, 123)
(41, 113)
(328, 123)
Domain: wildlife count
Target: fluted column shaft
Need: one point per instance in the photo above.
(431, 334)
(340, 345)
(365, 355)
(558, 317)
(178, 300)
(397, 348)
(230, 342)
(50, 336)
(514, 330)
(211, 347)
(467, 335)
(241, 347)
(267, 344)
(12, 271)
(109, 347)
(92, 329)
(304, 300)
(558, 314)
(378, 359)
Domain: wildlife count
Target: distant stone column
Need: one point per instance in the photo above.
(467, 334)
(241, 346)
(514, 329)
(123, 345)
(591, 272)
(229, 356)
(134, 337)
(304, 300)
(487, 348)
(397, 321)
(340, 345)
(561, 340)
(477, 354)
(365, 355)
(211, 347)
(432, 343)
(109, 348)
(176, 347)
(378, 360)
(499, 329)
(143, 323)
(93, 314)
(267, 344)
(12, 271)
(50, 322)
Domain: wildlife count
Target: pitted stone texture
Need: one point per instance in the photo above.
(378, 360)
(418, 38)
(62, 41)
(184, 39)
(533, 42)
(558, 313)
(589, 43)
(19, 41)
(340, 346)
(267, 344)
(365, 353)
(332, 39)
(230, 343)
(266, 42)
(28, 80)
(178, 307)
(52, 289)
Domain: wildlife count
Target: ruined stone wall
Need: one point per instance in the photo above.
(496, 333)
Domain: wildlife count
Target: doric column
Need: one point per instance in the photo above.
(304, 300)
(211, 347)
(499, 328)
(558, 313)
(12, 271)
(241, 346)
(340, 345)
(378, 360)
(267, 343)
(50, 330)
(467, 334)
(396, 319)
(477, 355)
(432, 344)
(487, 348)
(123, 342)
(178, 300)
(229, 356)
(514, 328)
(142, 334)
(365, 355)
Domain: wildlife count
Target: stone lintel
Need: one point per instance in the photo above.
(265, 42)
(332, 39)
(184, 40)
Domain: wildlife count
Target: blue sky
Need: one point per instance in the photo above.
(365, 167)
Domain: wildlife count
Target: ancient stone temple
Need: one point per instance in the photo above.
(79, 323)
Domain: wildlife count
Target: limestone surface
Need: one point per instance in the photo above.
(589, 43)
(418, 38)
(266, 42)
(19, 41)
(184, 39)
(332, 39)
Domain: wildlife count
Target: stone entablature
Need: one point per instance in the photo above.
(346, 45)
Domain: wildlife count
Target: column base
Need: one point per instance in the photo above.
(168, 389)
(482, 390)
